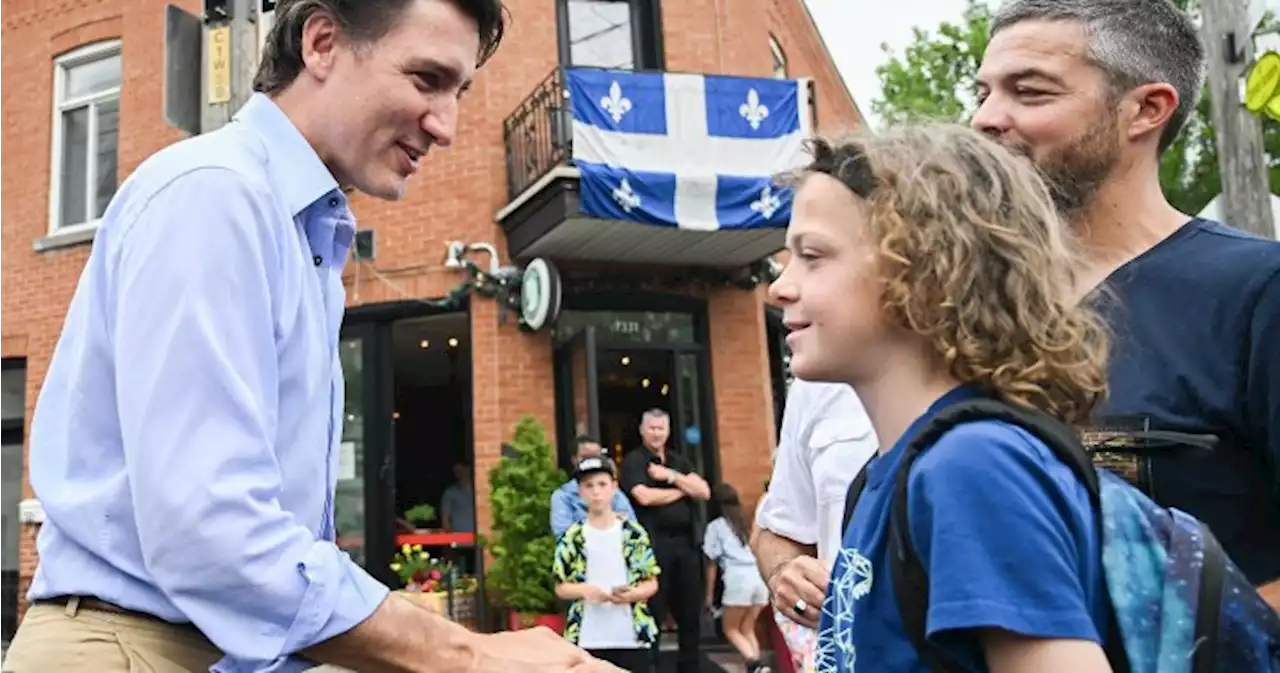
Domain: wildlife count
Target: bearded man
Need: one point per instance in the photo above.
(1093, 92)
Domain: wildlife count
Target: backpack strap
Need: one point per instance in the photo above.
(851, 498)
(911, 582)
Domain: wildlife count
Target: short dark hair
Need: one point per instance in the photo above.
(585, 439)
(1134, 42)
(363, 22)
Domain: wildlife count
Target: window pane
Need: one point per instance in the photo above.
(75, 151)
(13, 385)
(779, 60)
(600, 34)
(88, 78)
(108, 131)
(348, 505)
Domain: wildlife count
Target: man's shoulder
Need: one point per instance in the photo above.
(1220, 255)
(230, 151)
(813, 399)
(822, 414)
(637, 458)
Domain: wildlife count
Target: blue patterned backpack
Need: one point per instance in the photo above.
(1179, 605)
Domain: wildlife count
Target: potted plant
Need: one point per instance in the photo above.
(428, 579)
(523, 547)
(419, 517)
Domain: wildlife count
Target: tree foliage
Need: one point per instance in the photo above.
(523, 547)
(935, 77)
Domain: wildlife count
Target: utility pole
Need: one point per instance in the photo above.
(230, 56)
(1227, 28)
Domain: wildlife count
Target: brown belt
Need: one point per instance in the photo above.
(90, 603)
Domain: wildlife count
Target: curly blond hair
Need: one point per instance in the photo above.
(973, 257)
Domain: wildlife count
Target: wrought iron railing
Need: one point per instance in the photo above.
(538, 134)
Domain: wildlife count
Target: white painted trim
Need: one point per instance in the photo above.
(86, 54)
(30, 511)
(778, 55)
(561, 171)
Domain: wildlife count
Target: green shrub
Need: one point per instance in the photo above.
(523, 547)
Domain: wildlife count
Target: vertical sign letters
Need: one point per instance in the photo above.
(219, 65)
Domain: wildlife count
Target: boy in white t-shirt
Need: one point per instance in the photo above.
(606, 567)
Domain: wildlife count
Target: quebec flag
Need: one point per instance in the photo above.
(696, 152)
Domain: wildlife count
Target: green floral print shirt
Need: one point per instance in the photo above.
(571, 567)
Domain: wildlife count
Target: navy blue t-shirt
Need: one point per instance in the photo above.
(1197, 350)
(1006, 534)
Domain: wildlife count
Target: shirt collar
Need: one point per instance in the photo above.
(292, 163)
(882, 464)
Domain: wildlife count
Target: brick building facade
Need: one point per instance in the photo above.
(505, 372)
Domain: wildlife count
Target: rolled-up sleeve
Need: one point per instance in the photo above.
(197, 387)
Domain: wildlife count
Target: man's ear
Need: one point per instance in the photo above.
(320, 41)
(1147, 109)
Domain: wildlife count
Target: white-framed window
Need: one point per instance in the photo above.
(86, 124)
(779, 59)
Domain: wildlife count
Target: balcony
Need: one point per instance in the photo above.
(543, 216)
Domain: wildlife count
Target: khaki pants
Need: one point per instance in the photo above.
(72, 638)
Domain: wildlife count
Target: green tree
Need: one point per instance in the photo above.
(523, 547)
(935, 77)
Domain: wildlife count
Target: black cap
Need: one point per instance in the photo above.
(592, 465)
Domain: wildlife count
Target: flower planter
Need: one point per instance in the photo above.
(464, 604)
(518, 621)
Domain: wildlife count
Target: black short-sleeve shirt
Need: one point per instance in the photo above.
(672, 520)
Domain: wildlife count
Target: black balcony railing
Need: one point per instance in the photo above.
(539, 134)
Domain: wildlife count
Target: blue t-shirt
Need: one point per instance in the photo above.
(1005, 532)
(1197, 350)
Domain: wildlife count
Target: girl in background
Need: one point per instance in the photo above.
(745, 594)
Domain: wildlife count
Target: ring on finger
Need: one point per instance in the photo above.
(800, 606)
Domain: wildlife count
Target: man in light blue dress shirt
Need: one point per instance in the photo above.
(184, 444)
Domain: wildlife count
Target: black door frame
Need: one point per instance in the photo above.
(566, 414)
(378, 397)
(372, 324)
(646, 34)
(776, 335)
(575, 300)
(14, 431)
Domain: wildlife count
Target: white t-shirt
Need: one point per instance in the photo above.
(606, 625)
(826, 439)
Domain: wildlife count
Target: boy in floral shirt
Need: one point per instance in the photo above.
(606, 567)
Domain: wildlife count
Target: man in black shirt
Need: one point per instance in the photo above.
(662, 487)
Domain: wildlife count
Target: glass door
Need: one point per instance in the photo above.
(349, 511)
(364, 507)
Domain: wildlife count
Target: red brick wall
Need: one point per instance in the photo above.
(461, 189)
(807, 56)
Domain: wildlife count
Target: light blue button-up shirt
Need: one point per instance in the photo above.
(184, 445)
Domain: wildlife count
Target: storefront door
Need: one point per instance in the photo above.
(612, 366)
(364, 505)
